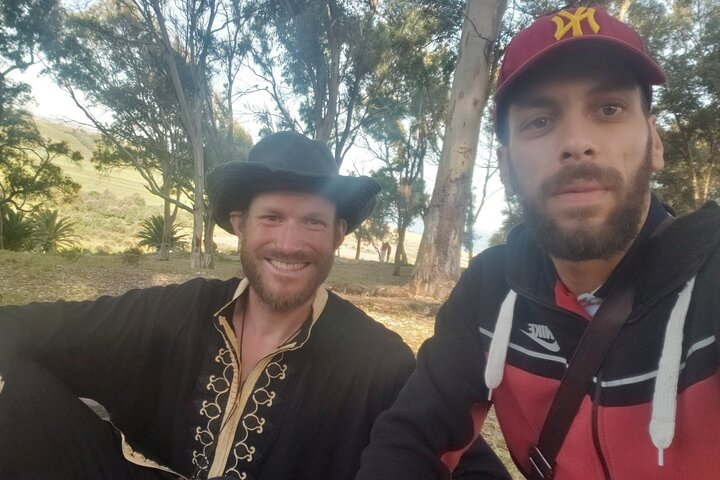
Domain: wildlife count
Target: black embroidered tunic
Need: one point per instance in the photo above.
(163, 362)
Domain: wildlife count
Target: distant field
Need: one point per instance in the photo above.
(121, 182)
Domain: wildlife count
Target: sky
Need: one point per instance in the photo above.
(53, 103)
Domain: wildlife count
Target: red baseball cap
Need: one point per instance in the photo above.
(573, 26)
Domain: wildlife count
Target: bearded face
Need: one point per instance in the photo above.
(288, 245)
(584, 239)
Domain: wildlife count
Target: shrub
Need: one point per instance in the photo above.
(73, 254)
(50, 233)
(151, 233)
(16, 230)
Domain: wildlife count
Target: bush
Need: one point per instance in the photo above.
(151, 234)
(73, 254)
(16, 231)
(131, 256)
(50, 233)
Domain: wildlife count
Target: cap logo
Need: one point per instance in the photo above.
(566, 22)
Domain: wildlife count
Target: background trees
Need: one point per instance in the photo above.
(685, 35)
(163, 82)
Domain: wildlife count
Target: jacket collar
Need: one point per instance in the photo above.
(656, 265)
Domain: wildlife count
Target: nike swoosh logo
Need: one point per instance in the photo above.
(552, 346)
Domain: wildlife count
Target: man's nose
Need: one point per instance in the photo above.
(578, 140)
(289, 236)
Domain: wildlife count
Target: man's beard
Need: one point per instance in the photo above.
(278, 301)
(586, 242)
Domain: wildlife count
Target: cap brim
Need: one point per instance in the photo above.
(232, 186)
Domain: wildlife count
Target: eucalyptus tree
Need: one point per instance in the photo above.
(184, 30)
(407, 103)
(438, 263)
(108, 55)
(29, 174)
(25, 27)
(685, 36)
(315, 58)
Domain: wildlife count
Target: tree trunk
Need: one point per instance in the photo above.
(400, 251)
(357, 246)
(2, 234)
(209, 257)
(163, 253)
(437, 267)
(192, 115)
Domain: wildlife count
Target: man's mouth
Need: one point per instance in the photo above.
(579, 187)
(287, 266)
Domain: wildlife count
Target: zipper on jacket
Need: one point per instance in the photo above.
(596, 429)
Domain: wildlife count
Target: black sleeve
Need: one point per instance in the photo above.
(480, 462)
(104, 349)
(432, 414)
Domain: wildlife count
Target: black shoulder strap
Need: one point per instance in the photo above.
(578, 378)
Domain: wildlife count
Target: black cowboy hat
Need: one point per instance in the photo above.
(289, 161)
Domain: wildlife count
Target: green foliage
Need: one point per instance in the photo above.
(686, 39)
(317, 60)
(376, 229)
(151, 234)
(50, 233)
(16, 230)
(74, 253)
(29, 173)
(24, 26)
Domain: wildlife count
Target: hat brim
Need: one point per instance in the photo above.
(232, 186)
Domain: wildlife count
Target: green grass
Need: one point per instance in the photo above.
(121, 182)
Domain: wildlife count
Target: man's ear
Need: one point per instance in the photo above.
(504, 166)
(237, 219)
(340, 231)
(657, 150)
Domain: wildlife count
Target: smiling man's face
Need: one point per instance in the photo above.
(579, 155)
(288, 244)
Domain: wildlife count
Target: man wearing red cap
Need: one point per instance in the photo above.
(593, 330)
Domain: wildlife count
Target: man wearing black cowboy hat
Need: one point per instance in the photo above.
(269, 377)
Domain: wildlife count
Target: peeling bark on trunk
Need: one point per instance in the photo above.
(400, 256)
(357, 246)
(438, 265)
(209, 257)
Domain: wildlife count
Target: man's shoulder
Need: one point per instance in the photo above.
(348, 324)
(190, 289)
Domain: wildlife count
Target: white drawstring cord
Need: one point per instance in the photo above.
(499, 344)
(664, 402)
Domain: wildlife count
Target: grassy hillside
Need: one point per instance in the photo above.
(121, 182)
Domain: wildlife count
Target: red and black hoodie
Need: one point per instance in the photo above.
(652, 411)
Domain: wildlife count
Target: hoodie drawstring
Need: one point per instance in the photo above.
(664, 402)
(499, 344)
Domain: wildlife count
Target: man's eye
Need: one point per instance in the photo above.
(270, 218)
(314, 222)
(611, 110)
(539, 123)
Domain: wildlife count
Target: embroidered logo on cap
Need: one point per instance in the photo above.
(566, 21)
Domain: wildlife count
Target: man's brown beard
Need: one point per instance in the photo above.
(283, 303)
(581, 244)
